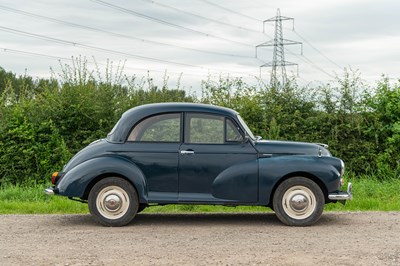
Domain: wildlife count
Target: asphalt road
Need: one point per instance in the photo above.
(367, 238)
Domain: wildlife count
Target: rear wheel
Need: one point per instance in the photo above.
(113, 201)
(298, 201)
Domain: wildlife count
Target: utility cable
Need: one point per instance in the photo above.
(58, 58)
(308, 61)
(14, 51)
(202, 17)
(134, 13)
(17, 11)
(60, 41)
(76, 44)
(313, 47)
(231, 11)
(316, 49)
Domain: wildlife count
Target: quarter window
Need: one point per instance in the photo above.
(232, 132)
(160, 128)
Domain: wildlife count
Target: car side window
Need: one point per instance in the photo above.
(159, 128)
(210, 129)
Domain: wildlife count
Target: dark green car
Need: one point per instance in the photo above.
(185, 153)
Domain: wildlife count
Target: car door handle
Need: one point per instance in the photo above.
(188, 152)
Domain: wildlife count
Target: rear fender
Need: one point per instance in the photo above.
(75, 182)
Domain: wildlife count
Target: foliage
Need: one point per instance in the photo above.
(360, 125)
(45, 121)
(53, 119)
(29, 151)
(385, 129)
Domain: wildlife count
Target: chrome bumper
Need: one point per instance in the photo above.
(49, 191)
(343, 195)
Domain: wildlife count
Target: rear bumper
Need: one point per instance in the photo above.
(50, 191)
(343, 195)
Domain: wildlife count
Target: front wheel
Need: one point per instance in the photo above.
(298, 201)
(113, 201)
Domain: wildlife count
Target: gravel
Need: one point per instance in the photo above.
(354, 238)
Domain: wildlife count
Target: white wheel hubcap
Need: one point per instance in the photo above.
(112, 202)
(299, 202)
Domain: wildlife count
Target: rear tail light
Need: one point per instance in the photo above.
(54, 177)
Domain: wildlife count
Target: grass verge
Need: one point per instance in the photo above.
(369, 195)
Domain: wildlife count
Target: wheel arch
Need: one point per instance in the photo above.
(91, 184)
(310, 176)
(80, 180)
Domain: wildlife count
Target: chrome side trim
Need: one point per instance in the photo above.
(343, 195)
(49, 191)
(266, 155)
(187, 152)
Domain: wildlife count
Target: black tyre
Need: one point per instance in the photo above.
(298, 201)
(113, 201)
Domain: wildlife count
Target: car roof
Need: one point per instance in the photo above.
(134, 115)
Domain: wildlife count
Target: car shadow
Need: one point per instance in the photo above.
(205, 219)
(198, 219)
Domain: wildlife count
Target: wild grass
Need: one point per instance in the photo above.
(32, 200)
(370, 194)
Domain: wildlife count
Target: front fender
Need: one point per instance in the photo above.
(238, 183)
(273, 169)
(76, 180)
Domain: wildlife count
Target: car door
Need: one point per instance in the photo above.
(216, 164)
(153, 146)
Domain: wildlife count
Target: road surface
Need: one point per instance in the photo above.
(364, 238)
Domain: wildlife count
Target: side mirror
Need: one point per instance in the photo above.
(246, 139)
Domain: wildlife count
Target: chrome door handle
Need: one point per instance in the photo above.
(187, 152)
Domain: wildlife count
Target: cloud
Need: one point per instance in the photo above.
(359, 33)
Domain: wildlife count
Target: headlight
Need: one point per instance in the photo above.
(341, 168)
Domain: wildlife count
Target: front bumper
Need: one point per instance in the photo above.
(342, 195)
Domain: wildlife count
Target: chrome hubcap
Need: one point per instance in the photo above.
(299, 202)
(112, 202)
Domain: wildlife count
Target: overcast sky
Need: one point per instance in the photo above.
(202, 38)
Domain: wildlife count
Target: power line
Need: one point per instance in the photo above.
(318, 67)
(14, 51)
(26, 53)
(308, 61)
(305, 59)
(306, 41)
(60, 41)
(230, 10)
(279, 47)
(134, 13)
(201, 17)
(76, 44)
(316, 49)
(113, 33)
(57, 58)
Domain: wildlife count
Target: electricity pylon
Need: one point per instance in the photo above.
(278, 64)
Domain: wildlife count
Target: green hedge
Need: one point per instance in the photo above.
(45, 121)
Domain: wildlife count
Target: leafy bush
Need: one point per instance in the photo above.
(29, 152)
(43, 122)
